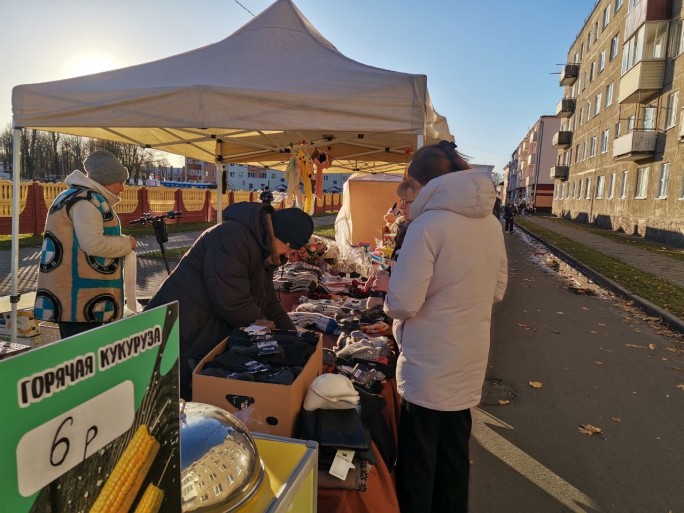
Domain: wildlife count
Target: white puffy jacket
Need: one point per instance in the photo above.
(451, 269)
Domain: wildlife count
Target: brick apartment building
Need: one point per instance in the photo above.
(619, 163)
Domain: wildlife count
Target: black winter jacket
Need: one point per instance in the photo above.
(223, 281)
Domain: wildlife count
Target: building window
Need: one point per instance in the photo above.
(232, 174)
(611, 186)
(572, 191)
(592, 146)
(614, 46)
(579, 189)
(588, 189)
(649, 118)
(588, 111)
(592, 72)
(601, 61)
(604, 141)
(584, 151)
(606, 17)
(648, 42)
(617, 129)
(623, 190)
(676, 39)
(630, 123)
(600, 183)
(584, 80)
(597, 104)
(581, 116)
(609, 94)
(671, 110)
(577, 153)
(618, 4)
(273, 175)
(663, 180)
(641, 188)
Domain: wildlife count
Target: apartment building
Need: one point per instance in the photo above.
(619, 163)
(527, 174)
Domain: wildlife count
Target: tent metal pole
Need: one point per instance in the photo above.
(16, 196)
(219, 175)
(420, 142)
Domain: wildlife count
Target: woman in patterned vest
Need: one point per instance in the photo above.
(80, 283)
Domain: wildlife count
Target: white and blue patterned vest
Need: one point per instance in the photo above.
(74, 286)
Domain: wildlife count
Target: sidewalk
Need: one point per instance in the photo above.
(151, 272)
(661, 266)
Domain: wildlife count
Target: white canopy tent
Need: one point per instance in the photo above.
(274, 83)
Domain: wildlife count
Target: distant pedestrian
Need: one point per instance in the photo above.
(509, 214)
(497, 208)
(266, 196)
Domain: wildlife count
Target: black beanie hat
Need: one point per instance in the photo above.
(293, 226)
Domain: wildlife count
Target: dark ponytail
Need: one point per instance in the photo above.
(436, 160)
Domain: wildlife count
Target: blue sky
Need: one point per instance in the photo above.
(490, 63)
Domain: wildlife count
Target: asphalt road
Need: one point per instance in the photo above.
(600, 362)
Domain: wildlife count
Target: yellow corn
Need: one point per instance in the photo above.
(151, 500)
(124, 482)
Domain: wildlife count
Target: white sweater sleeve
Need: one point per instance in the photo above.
(89, 230)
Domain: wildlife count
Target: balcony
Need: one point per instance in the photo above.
(636, 145)
(642, 82)
(646, 10)
(560, 173)
(565, 108)
(532, 158)
(569, 74)
(562, 139)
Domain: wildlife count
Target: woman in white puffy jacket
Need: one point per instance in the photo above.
(451, 269)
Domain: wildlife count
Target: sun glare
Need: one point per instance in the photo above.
(89, 63)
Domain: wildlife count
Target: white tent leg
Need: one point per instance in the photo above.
(420, 142)
(16, 197)
(220, 169)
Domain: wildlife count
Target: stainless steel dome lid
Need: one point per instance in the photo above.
(220, 464)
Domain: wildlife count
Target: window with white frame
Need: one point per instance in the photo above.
(587, 191)
(648, 42)
(592, 146)
(609, 94)
(572, 190)
(584, 80)
(604, 141)
(630, 123)
(577, 153)
(579, 189)
(564, 190)
(631, 4)
(618, 4)
(581, 116)
(596, 30)
(623, 189)
(649, 118)
(606, 17)
(611, 186)
(600, 183)
(597, 104)
(617, 128)
(601, 61)
(641, 186)
(588, 111)
(592, 71)
(663, 180)
(676, 36)
(614, 46)
(584, 151)
(671, 110)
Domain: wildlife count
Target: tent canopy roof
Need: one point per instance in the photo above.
(249, 92)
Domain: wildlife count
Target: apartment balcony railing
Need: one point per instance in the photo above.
(642, 82)
(560, 173)
(569, 74)
(565, 108)
(562, 139)
(635, 145)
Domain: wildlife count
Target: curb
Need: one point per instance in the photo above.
(671, 320)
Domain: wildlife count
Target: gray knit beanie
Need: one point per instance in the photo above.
(104, 168)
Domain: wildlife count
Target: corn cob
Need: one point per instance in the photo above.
(124, 482)
(151, 500)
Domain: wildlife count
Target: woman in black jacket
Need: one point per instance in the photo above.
(225, 280)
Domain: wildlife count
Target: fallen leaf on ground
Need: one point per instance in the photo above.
(598, 363)
(504, 402)
(636, 346)
(523, 325)
(536, 384)
(601, 324)
(594, 332)
(616, 419)
(588, 429)
(651, 346)
(584, 308)
(560, 313)
(680, 386)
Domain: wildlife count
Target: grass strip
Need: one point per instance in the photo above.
(664, 294)
(659, 248)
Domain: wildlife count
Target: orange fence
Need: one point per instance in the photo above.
(197, 205)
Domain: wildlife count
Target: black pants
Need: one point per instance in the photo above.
(509, 225)
(433, 465)
(69, 329)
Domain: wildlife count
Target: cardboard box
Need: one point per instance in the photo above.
(263, 407)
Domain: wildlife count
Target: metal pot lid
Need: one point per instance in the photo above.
(220, 464)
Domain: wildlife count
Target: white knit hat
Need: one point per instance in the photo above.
(332, 392)
(104, 168)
